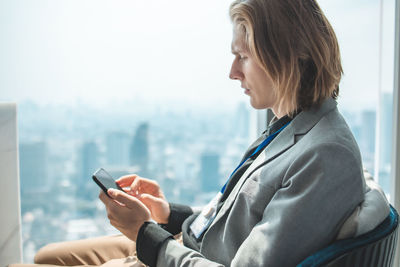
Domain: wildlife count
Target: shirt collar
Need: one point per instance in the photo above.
(276, 124)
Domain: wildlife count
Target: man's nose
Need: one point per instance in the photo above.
(235, 73)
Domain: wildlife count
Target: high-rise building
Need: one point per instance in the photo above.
(139, 150)
(386, 129)
(368, 121)
(89, 163)
(90, 159)
(209, 172)
(385, 141)
(117, 148)
(33, 167)
(242, 124)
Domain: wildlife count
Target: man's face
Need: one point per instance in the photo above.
(257, 84)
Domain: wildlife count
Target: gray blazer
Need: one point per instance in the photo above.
(289, 203)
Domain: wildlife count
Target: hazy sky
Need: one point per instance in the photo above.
(58, 51)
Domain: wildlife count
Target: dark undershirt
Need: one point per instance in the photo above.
(151, 236)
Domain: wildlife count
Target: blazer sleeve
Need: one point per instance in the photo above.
(319, 190)
(151, 235)
(179, 213)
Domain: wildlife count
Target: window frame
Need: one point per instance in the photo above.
(395, 175)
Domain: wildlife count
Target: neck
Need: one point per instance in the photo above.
(277, 113)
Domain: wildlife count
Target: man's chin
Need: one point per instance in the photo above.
(256, 105)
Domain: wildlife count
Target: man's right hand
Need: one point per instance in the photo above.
(149, 192)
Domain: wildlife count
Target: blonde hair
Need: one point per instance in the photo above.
(296, 46)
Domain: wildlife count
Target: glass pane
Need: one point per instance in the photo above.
(365, 30)
(131, 86)
(386, 94)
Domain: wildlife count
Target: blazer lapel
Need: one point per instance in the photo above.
(301, 124)
(280, 144)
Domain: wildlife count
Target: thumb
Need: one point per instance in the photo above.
(149, 200)
(123, 198)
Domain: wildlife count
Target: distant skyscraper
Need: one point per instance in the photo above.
(368, 121)
(209, 172)
(386, 130)
(90, 159)
(367, 139)
(385, 142)
(118, 148)
(33, 167)
(242, 122)
(89, 163)
(139, 150)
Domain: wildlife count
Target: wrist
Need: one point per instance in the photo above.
(166, 215)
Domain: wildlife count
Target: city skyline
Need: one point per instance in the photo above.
(85, 85)
(58, 153)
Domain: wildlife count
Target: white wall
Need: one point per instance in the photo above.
(10, 219)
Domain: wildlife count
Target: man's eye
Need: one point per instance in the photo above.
(241, 57)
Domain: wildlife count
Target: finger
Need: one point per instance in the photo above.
(124, 198)
(111, 205)
(149, 200)
(104, 198)
(143, 185)
(126, 190)
(135, 186)
(126, 180)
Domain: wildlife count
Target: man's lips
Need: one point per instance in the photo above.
(246, 90)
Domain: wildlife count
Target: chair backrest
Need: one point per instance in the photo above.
(375, 248)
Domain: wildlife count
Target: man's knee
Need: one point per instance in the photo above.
(49, 254)
(21, 265)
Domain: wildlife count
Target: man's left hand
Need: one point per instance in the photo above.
(125, 212)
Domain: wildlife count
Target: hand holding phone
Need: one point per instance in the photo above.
(105, 181)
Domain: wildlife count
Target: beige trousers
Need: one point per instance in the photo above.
(107, 251)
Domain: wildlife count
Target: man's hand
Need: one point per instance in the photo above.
(125, 212)
(149, 192)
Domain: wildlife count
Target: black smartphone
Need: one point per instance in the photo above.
(105, 181)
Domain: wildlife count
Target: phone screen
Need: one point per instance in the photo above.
(105, 180)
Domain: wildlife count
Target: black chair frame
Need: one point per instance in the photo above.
(375, 248)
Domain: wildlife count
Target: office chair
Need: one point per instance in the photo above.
(372, 249)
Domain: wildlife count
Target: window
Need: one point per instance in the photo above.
(142, 86)
(131, 86)
(365, 30)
